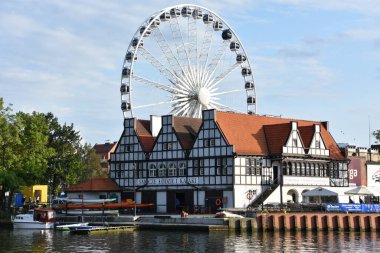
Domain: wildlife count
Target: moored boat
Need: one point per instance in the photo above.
(35, 219)
(67, 227)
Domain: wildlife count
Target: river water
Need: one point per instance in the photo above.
(183, 241)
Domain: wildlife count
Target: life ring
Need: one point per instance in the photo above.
(218, 202)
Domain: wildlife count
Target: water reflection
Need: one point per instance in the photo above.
(180, 241)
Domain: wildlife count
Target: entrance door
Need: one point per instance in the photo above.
(180, 200)
(275, 175)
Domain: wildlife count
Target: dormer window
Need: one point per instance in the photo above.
(295, 142)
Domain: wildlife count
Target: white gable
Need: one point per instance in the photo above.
(317, 146)
(294, 144)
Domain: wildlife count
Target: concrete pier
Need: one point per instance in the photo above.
(262, 222)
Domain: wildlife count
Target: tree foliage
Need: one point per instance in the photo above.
(92, 168)
(36, 149)
(65, 165)
(377, 136)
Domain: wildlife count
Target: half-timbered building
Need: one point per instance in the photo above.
(224, 159)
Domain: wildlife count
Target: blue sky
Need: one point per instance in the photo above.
(315, 60)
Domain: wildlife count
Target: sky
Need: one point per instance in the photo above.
(314, 60)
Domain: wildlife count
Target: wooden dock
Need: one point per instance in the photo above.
(91, 229)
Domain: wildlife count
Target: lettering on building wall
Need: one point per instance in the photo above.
(168, 181)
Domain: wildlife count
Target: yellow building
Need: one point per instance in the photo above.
(35, 192)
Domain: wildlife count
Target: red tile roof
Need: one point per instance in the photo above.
(104, 148)
(276, 136)
(144, 134)
(95, 185)
(249, 136)
(186, 130)
(307, 134)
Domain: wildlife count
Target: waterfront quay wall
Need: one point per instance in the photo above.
(308, 221)
(362, 222)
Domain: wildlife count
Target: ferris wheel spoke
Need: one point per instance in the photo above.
(154, 84)
(168, 53)
(226, 72)
(217, 57)
(206, 43)
(192, 40)
(158, 65)
(179, 42)
(228, 92)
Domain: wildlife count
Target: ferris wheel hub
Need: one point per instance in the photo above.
(204, 96)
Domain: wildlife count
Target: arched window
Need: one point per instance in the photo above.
(285, 168)
(308, 170)
(298, 172)
(316, 168)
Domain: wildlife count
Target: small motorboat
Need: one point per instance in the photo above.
(35, 219)
(67, 227)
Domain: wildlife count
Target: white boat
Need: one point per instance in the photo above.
(35, 219)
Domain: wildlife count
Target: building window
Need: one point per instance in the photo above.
(295, 142)
(221, 166)
(209, 142)
(152, 171)
(162, 170)
(339, 174)
(252, 166)
(317, 144)
(128, 148)
(198, 169)
(137, 170)
(298, 172)
(182, 170)
(167, 146)
(172, 170)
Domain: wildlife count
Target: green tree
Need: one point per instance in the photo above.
(377, 135)
(92, 164)
(23, 139)
(33, 149)
(8, 141)
(66, 165)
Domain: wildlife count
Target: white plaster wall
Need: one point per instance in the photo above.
(240, 194)
(161, 202)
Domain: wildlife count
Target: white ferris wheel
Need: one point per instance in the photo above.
(185, 59)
